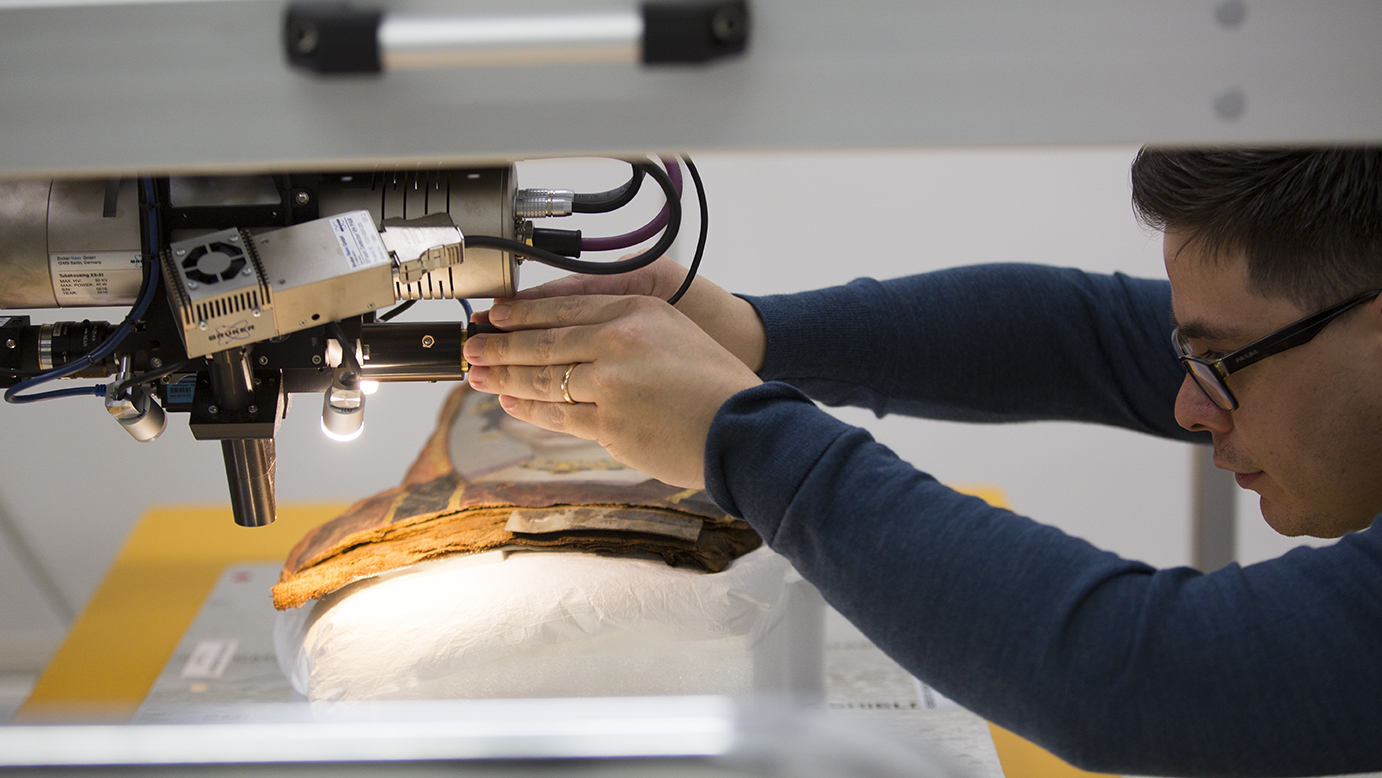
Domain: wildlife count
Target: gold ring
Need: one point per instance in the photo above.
(566, 384)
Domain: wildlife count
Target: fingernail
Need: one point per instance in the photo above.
(474, 347)
(478, 374)
(499, 312)
(507, 402)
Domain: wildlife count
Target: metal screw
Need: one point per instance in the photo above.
(1230, 103)
(263, 360)
(253, 409)
(302, 198)
(191, 284)
(304, 36)
(1231, 13)
(182, 252)
(213, 410)
(729, 25)
(234, 237)
(428, 341)
(155, 363)
(371, 306)
(201, 324)
(316, 359)
(258, 381)
(10, 343)
(256, 312)
(247, 270)
(302, 323)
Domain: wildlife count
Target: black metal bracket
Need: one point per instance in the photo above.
(260, 420)
(330, 37)
(688, 32)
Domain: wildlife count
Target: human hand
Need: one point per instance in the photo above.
(731, 321)
(644, 380)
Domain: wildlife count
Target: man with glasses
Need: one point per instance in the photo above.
(1275, 266)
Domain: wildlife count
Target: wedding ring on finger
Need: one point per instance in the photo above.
(566, 384)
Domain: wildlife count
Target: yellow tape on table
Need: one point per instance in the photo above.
(151, 594)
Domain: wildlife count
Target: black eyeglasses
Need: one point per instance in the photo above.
(1210, 375)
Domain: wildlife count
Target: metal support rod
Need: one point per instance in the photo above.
(409, 42)
(250, 463)
(231, 380)
(46, 584)
(1213, 540)
(250, 468)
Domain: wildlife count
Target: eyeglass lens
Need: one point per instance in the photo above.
(1210, 383)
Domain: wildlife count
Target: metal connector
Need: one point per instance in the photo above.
(420, 246)
(541, 203)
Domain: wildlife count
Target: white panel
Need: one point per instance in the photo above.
(204, 85)
(30, 628)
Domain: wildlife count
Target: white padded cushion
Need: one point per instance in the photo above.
(536, 624)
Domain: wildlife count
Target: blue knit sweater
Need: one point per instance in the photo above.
(1272, 669)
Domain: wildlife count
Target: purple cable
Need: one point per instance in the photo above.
(646, 231)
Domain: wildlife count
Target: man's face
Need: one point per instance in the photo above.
(1307, 436)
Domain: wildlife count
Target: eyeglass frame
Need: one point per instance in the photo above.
(1297, 333)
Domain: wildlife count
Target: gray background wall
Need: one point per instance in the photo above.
(72, 484)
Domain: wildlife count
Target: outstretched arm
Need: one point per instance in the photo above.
(986, 343)
(1115, 666)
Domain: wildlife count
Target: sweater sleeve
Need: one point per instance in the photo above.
(1082, 346)
(1115, 666)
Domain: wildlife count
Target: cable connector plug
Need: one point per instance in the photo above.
(564, 242)
(542, 203)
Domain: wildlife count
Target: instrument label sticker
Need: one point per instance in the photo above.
(359, 240)
(96, 277)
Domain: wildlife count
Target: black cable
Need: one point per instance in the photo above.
(396, 310)
(347, 348)
(604, 202)
(597, 268)
(705, 223)
(154, 375)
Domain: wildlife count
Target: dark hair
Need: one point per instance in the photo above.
(1309, 221)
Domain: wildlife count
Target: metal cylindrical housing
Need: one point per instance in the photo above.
(24, 276)
(423, 351)
(250, 468)
(147, 426)
(69, 243)
(480, 201)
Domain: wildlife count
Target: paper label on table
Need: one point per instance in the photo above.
(930, 699)
(209, 659)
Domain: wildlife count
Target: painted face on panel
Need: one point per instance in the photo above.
(1307, 436)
